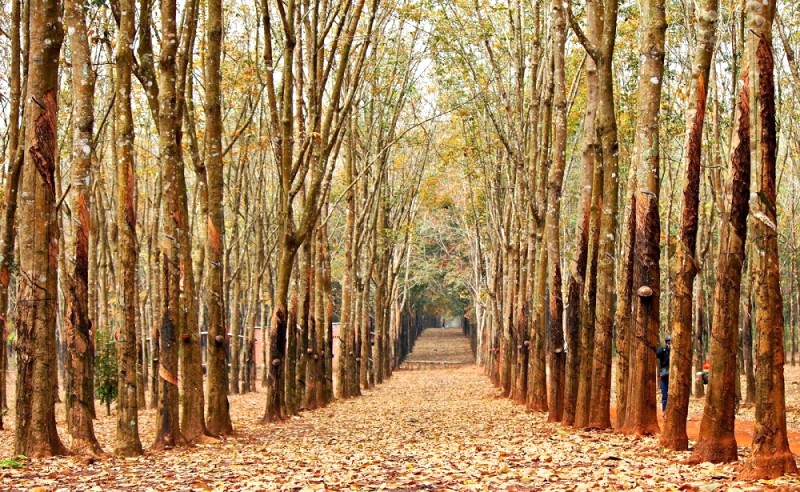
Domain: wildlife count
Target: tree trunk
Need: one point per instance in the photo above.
(589, 294)
(599, 413)
(641, 412)
(277, 336)
(315, 349)
(624, 299)
(35, 434)
(521, 336)
(506, 343)
(292, 401)
(717, 442)
(771, 456)
(577, 322)
(697, 340)
(193, 427)
(307, 323)
(127, 437)
(537, 379)
(346, 376)
(747, 331)
(167, 424)
(553, 218)
(218, 420)
(680, 371)
(234, 328)
(192, 401)
(14, 158)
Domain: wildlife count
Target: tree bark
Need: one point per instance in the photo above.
(192, 401)
(35, 434)
(347, 378)
(537, 379)
(717, 442)
(599, 413)
(589, 294)
(127, 437)
(697, 340)
(218, 420)
(624, 299)
(578, 298)
(771, 456)
(747, 331)
(277, 338)
(680, 371)
(6, 258)
(168, 432)
(78, 326)
(557, 357)
(641, 412)
(15, 157)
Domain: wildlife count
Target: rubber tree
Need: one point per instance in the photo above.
(716, 442)
(37, 301)
(680, 371)
(641, 415)
(218, 419)
(555, 351)
(602, 53)
(127, 437)
(771, 456)
(310, 168)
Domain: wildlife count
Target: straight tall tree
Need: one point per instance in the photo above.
(641, 413)
(15, 157)
(78, 326)
(603, 53)
(771, 455)
(168, 432)
(37, 301)
(680, 371)
(555, 351)
(127, 438)
(717, 441)
(219, 418)
(577, 321)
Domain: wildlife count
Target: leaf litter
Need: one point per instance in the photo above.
(442, 429)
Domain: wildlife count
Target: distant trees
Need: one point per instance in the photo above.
(174, 227)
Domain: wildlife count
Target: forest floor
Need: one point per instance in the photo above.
(437, 429)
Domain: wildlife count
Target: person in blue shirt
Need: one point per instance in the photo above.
(662, 353)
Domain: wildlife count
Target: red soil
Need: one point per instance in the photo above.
(744, 430)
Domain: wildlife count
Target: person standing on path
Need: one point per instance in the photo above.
(663, 370)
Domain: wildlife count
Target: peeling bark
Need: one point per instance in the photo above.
(37, 303)
(680, 372)
(168, 432)
(771, 456)
(717, 442)
(78, 326)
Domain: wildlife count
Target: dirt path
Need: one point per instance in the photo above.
(440, 429)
